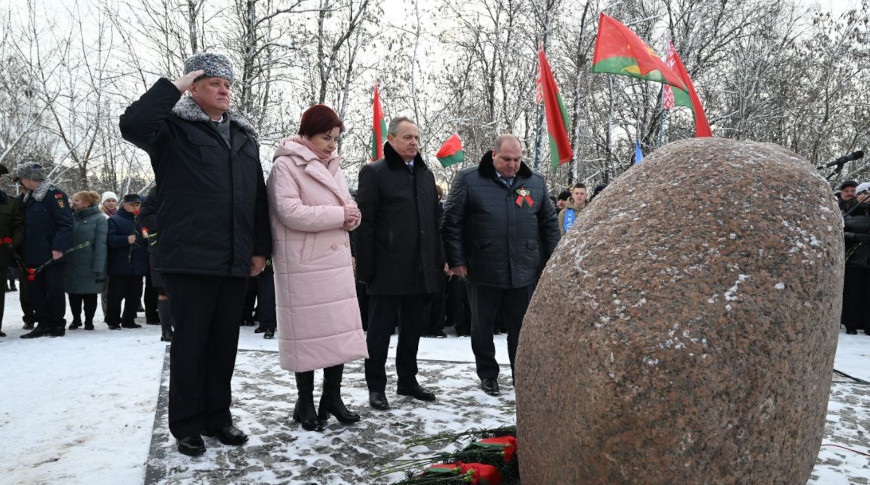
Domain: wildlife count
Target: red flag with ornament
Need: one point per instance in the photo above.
(379, 128)
(557, 117)
(689, 98)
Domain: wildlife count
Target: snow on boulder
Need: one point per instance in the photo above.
(685, 329)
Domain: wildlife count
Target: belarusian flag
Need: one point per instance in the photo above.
(379, 128)
(558, 122)
(451, 151)
(618, 50)
(689, 99)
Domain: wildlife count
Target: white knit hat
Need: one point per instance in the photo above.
(109, 195)
(863, 187)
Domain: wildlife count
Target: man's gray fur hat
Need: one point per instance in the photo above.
(214, 65)
(33, 171)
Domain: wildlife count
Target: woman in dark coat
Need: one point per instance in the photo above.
(85, 269)
(856, 288)
(128, 262)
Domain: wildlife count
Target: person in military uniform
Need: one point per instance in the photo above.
(49, 224)
(11, 235)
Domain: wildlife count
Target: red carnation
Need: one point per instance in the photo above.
(136, 212)
(31, 270)
(7, 240)
(31, 277)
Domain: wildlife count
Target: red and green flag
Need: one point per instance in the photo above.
(558, 122)
(451, 151)
(690, 99)
(379, 128)
(618, 50)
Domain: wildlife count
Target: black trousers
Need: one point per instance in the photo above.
(123, 287)
(150, 300)
(3, 303)
(266, 299)
(25, 301)
(385, 311)
(202, 356)
(856, 295)
(47, 296)
(488, 306)
(247, 315)
(459, 313)
(436, 308)
(75, 304)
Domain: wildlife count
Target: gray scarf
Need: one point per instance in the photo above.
(40, 192)
(187, 109)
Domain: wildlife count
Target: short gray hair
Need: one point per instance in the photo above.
(500, 139)
(393, 129)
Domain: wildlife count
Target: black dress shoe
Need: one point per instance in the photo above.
(2, 334)
(191, 446)
(75, 325)
(259, 330)
(166, 336)
(114, 327)
(131, 325)
(851, 331)
(489, 386)
(269, 334)
(417, 392)
(228, 436)
(58, 332)
(378, 400)
(36, 333)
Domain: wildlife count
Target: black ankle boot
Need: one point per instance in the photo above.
(330, 401)
(304, 412)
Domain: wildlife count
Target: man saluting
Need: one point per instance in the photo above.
(214, 235)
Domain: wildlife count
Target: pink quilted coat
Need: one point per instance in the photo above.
(318, 315)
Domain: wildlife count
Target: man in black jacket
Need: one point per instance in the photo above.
(204, 156)
(499, 231)
(397, 254)
(48, 235)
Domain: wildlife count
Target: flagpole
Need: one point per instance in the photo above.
(662, 119)
(537, 133)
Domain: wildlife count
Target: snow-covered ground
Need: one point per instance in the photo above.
(81, 409)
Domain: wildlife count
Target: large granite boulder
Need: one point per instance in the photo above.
(685, 329)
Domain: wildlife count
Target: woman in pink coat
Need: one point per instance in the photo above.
(311, 212)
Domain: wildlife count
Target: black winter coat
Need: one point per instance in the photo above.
(213, 209)
(398, 243)
(49, 224)
(124, 260)
(11, 226)
(857, 234)
(501, 243)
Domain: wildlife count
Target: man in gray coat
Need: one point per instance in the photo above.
(499, 230)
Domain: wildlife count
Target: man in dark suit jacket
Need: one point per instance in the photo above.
(397, 254)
